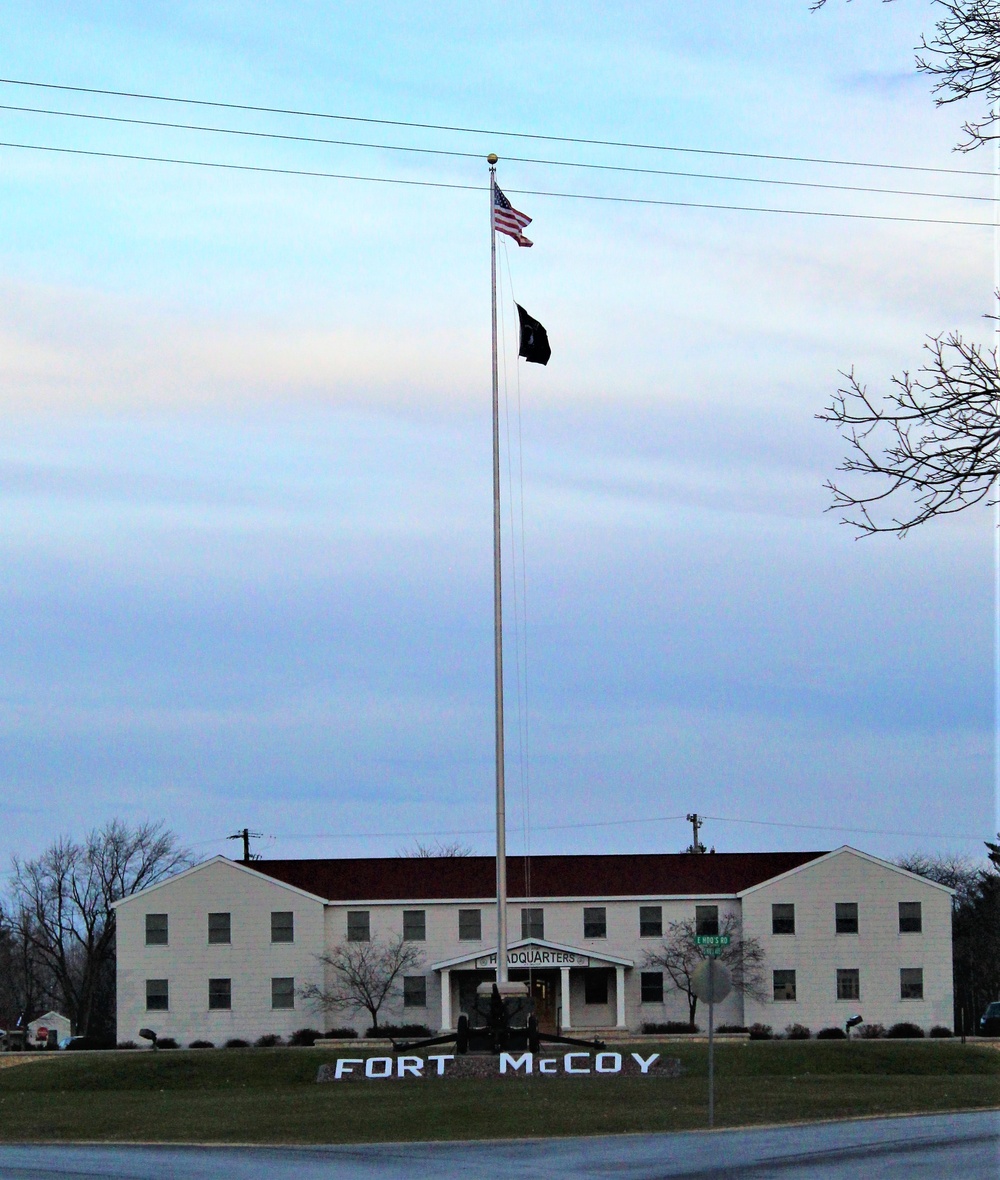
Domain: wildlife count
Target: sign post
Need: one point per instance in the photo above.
(711, 982)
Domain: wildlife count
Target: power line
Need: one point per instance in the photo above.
(770, 823)
(458, 155)
(652, 201)
(613, 823)
(632, 146)
(37, 147)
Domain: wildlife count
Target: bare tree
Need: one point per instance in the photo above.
(958, 872)
(931, 442)
(964, 58)
(427, 851)
(365, 976)
(975, 925)
(25, 985)
(65, 896)
(679, 956)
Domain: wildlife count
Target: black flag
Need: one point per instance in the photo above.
(534, 339)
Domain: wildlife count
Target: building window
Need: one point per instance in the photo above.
(157, 995)
(470, 925)
(651, 987)
(848, 983)
(847, 917)
(220, 993)
(595, 987)
(358, 926)
(532, 923)
(219, 928)
(282, 992)
(706, 919)
(595, 922)
(911, 983)
(156, 930)
(650, 921)
(782, 918)
(784, 985)
(282, 926)
(414, 925)
(911, 919)
(415, 991)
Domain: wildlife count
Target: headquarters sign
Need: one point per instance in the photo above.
(535, 956)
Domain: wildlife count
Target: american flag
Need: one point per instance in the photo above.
(507, 219)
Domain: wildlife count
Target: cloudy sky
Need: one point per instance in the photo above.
(245, 499)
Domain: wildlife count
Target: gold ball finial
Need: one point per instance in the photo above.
(492, 158)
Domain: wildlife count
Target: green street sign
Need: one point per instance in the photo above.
(712, 943)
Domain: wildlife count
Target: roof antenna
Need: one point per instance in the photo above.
(246, 836)
(696, 823)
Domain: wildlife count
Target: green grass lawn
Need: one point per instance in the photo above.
(270, 1096)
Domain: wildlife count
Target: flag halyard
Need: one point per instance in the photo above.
(507, 219)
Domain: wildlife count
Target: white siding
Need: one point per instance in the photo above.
(815, 952)
(188, 961)
(49, 1021)
(878, 950)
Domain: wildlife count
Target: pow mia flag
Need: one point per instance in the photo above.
(534, 339)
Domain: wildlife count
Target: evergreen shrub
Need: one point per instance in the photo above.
(904, 1029)
(304, 1036)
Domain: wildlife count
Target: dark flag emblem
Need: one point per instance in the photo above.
(534, 339)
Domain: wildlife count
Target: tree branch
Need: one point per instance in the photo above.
(931, 441)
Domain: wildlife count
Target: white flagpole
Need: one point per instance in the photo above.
(501, 975)
(996, 488)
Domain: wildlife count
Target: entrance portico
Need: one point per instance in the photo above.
(533, 960)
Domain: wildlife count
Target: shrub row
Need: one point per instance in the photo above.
(758, 1032)
(400, 1030)
(868, 1032)
(303, 1036)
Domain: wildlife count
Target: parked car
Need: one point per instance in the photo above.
(83, 1042)
(989, 1022)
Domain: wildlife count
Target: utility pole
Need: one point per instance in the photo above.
(696, 823)
(246, 836)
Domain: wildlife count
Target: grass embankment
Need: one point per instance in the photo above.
(270, 1096)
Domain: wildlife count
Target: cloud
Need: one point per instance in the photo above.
(88, 351)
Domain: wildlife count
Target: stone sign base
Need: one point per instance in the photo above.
(506, 1065)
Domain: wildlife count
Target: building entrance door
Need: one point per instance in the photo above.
(543, 987)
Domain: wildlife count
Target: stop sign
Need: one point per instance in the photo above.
(711, 981)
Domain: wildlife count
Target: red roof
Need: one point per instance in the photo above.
(403, 878)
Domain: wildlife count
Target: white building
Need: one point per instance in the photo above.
(39, 1030)
(225, 949)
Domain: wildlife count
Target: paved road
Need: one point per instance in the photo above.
(959, 1147)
